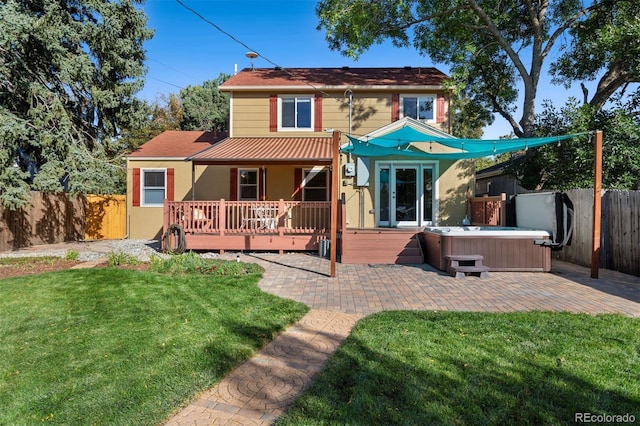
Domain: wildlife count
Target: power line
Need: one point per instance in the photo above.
(165, 82)
(232, 37)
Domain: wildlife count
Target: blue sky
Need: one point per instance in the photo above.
(186, 50)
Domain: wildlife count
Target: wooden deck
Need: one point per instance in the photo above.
(284, 226)
(248, 225)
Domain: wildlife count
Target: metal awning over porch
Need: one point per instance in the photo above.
(261, 150)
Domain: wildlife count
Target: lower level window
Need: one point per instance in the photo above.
(315, 185)
(248, 182)
(153, 187)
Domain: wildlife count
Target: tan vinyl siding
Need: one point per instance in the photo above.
(250, 115)
(146, 222)
(370, 111)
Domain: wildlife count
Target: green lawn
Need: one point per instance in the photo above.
(116, 346)
(447, 368)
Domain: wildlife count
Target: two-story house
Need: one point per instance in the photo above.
(267, 186)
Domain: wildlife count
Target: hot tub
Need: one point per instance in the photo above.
(503, 248)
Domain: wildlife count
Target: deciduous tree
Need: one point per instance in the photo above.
(496, 47)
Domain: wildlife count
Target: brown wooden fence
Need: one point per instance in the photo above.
(620, 227)
(56, 218)
(620, 230)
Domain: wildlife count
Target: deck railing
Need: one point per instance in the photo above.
(255, 217)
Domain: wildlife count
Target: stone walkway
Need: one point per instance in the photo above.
(261, 389)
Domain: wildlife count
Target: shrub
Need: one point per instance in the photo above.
(191, 263)
(122, 258)
(72, 255)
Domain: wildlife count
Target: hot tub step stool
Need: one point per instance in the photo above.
(458, 265)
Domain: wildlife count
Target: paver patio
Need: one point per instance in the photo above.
(261, 389)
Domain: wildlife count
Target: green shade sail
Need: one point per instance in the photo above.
(409, 142)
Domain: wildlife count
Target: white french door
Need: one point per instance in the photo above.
(405, 194)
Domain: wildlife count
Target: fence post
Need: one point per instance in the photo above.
(597, 205)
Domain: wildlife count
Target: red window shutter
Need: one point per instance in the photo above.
(297, 184)
(171, 184)
(135, 196)
(233, 184)
(440, 109)
(262, 184)
(273, 113)
(395, 107)
(317, 113)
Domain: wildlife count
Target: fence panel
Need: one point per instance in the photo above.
(620, 233)
(105, 217)
(50, 219)
(579, 252)
(623, 230)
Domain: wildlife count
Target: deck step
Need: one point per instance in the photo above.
(461, 264)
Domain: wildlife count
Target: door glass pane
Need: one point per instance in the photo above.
(427, 196)
(406, 195)
(384, 195)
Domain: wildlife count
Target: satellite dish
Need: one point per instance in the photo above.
(252, 56)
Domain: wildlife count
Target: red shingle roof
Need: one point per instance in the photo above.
(334, 77)
(290, 150)
(177, 143)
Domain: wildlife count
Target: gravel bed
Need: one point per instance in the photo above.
(92, 250)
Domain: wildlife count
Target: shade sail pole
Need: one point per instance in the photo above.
(335, 171)
(597, 205)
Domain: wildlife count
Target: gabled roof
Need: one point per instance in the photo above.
(337, 78)
(412, 123)
(289, 150)
(176, 144)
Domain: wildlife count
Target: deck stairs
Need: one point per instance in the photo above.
(381, 246)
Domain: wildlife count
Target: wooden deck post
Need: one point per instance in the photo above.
(165, 222)
(597, 205)
(335, 175)
(222, 217)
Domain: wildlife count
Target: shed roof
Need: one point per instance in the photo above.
(267, 149)
(176, 144)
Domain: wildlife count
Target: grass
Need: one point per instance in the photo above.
(447, 368)
(191, 263)
(118, 346)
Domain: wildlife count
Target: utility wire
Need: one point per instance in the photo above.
(232, 37)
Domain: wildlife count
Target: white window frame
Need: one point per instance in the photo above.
(257, 184)
(295, 128)
(143, 187)
(418, 96)
(308, 174)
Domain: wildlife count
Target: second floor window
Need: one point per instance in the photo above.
(418, 107)
(296, 112)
